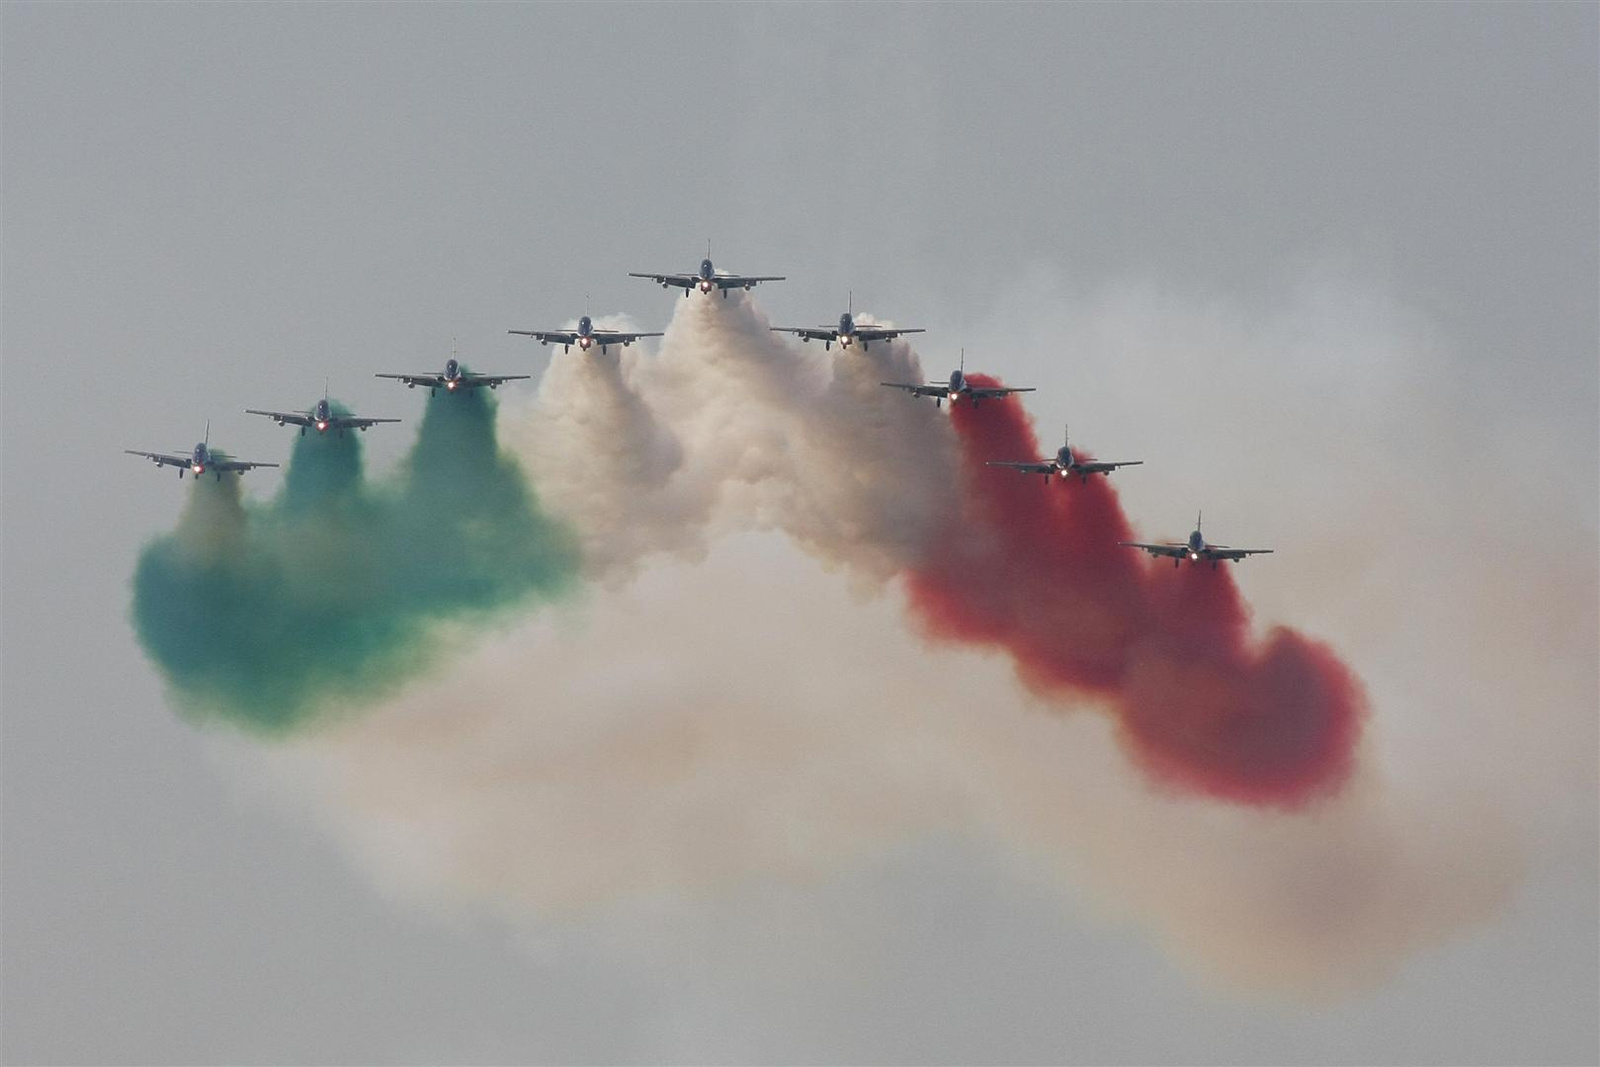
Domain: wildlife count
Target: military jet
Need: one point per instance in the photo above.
(453, 379)
(957, 387)
(1066, 463)
(584, 336)
(200, 460)
(1196, 549)
(320, 417)
(846, 332)
(708, 278)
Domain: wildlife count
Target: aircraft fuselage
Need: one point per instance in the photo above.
(847, 330)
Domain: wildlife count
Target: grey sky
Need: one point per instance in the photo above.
(208, 208)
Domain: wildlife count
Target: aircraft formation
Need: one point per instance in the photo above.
(1066, 463)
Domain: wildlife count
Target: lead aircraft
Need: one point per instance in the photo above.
(320, 417)
(847, 332)
(200, 459)
(453, 378)
(584, 336)
(708, 279)
(957, 387)
(1066, 463)
(1196, 549)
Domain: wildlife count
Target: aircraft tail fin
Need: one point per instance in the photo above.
(1197, 516)
(963, 362)
(208, 433)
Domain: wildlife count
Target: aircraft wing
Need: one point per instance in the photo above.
(682, 281)
(545, 337)
(617, 337)
(1041, 467)
(298, 418)
(240, 465)
(472, 381)
(734, 281)
(931, 389)
(1167, 550)
(1095, 466)
(432, 381)
(355, 422)
(1224, 552)
(882, 333)
(990, 392)
(160, 459)
(808, 333)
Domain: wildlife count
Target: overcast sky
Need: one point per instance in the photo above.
(209, 208)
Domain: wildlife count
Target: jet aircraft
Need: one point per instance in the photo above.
(1066, 463)
(957, 387)
(453, 378)
(200, 459)
(846, 332)
(708, 279)
(320, 417)
(584, 336)
(1196, 549)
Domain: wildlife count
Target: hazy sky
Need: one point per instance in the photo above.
(1333, 269)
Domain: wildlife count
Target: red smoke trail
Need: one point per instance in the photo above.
(1035, 568)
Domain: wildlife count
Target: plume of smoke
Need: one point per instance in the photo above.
(264, 614)
(656, 753)
(729, 428)
(548, 776)
(725, 715)
(1037, 570)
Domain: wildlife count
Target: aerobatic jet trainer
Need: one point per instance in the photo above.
(1196, 549)
(320, 417)
(201, 459)
(957, 387)
(1066, 463)
(846, 332)
(454, 379)
(708, 278)
(584, 336)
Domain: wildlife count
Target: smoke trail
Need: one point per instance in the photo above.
(669, 751)
(729, 428)
(725, 713)
(335, 590)
(1036, 569)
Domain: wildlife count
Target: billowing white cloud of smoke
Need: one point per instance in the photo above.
(730, 713)
(731, 428)
(649, 753)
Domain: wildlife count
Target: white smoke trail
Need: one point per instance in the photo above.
(654, 751)
(731, 428)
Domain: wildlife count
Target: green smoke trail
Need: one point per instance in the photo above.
(334, 592)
